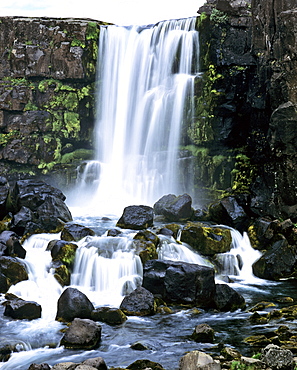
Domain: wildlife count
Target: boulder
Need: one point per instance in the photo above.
(82, 334)
(13, 269)
(227, 211)
(63, 251)
(4, 193)
(96, 362)
(227, 299)
(111, 316)
(136, 218)
(73, 304)
(75, 232)
(62, 274)
(203, 333)
(4, 283)
(145, 250)
(18, 308)
(140, 302)
(21, 219)
(180, 282)
(13, 245)
(174, 208)
(278, 262)
(42, 366)
(206, 240)
(196, 360)
(145, 365)
(277, 358)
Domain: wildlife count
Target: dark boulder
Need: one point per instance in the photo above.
(136, 218)
(21, 219)
(140, 302)
(278, 262)
(13, 269)
(13, 245)
(4, 194)
(227, 211)
(42, 366)
(63, 252)
(18, 308)
(206, 240)
(82, 334)
(180, 282)
(75, 232)
(203, 333)
(4, 283)
(145, 365)
(112, 316)
(96, 362)
(174, 208)
(227, 299)
(73, 304)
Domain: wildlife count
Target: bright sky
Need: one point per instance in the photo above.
(121, 12)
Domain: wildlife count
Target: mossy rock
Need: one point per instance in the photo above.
(62, 251)
(146, 250)
(147, 235)
(207, 240)
(62, 275)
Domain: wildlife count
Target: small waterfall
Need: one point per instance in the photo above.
(145, 98)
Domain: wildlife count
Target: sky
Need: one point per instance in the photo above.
(120, 12)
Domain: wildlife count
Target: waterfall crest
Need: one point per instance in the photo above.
(145, 97)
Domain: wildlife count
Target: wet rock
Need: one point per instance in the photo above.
(4, 193)
(39, 367)
(278, 262)
(140, 302)
(174, 208)
(13, 245)
(63, 251)
(21, 219)
(62, 275)
(227, 299)
(75, 232)
(206, 240)
(198, 360)
(112, 316)
(277, 358)
(73, 304)
(141, 346)
(82, 334)
(96, 362)
(18, 308)
(136, 218)
(4, 283)
(145, 365)
(230, 354)
(146, 250)
(180, 282)
(13, 269)
(203, 333)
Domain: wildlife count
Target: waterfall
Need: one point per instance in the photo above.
(144, 101)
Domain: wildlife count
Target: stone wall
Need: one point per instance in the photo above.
(47, 81)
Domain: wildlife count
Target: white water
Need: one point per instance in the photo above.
(145, 96)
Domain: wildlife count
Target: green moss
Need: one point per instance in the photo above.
(7, 138)
(72, 123)
(76, 42)
(92, 31)
(30, 106)
(77, 155)
(218, 17)
(243, 174)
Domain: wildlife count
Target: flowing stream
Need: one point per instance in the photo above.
(145, 97)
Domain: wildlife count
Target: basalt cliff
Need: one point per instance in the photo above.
(243, 136)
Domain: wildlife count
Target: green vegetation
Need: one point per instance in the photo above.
(242, 174)
(218, 17)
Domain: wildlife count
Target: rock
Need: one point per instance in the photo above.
(62, 275)
(4, 193)
(39, 367)
(203, 333)
(73, 304)
(97, 362)
(174, 208)
(277, 358)
(227, 299)
(141, 346)
(21, 219)
(75, 232)
(18, 308)
(112, 316)
(230, 354)
(196, 360)
(82, 334)
(4, 283)
(180, 282)
(146, 250)
(65, 366)
(63, 251)
(136, 218)
(278, 262)
(12, 242)
(13, 269)
(206, 240)
(145, 365)
(228, 212)
(140, 302)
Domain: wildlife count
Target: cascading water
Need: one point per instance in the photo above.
(145, 97)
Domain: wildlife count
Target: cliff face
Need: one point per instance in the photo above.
(250, 51)
(47, 75)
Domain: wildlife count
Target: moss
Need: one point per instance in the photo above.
(77, 155)
(243, 174)
(72, 123)
(30, 106)
(7, 138)
(92, 32)
(218, 17)
(76, 42)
